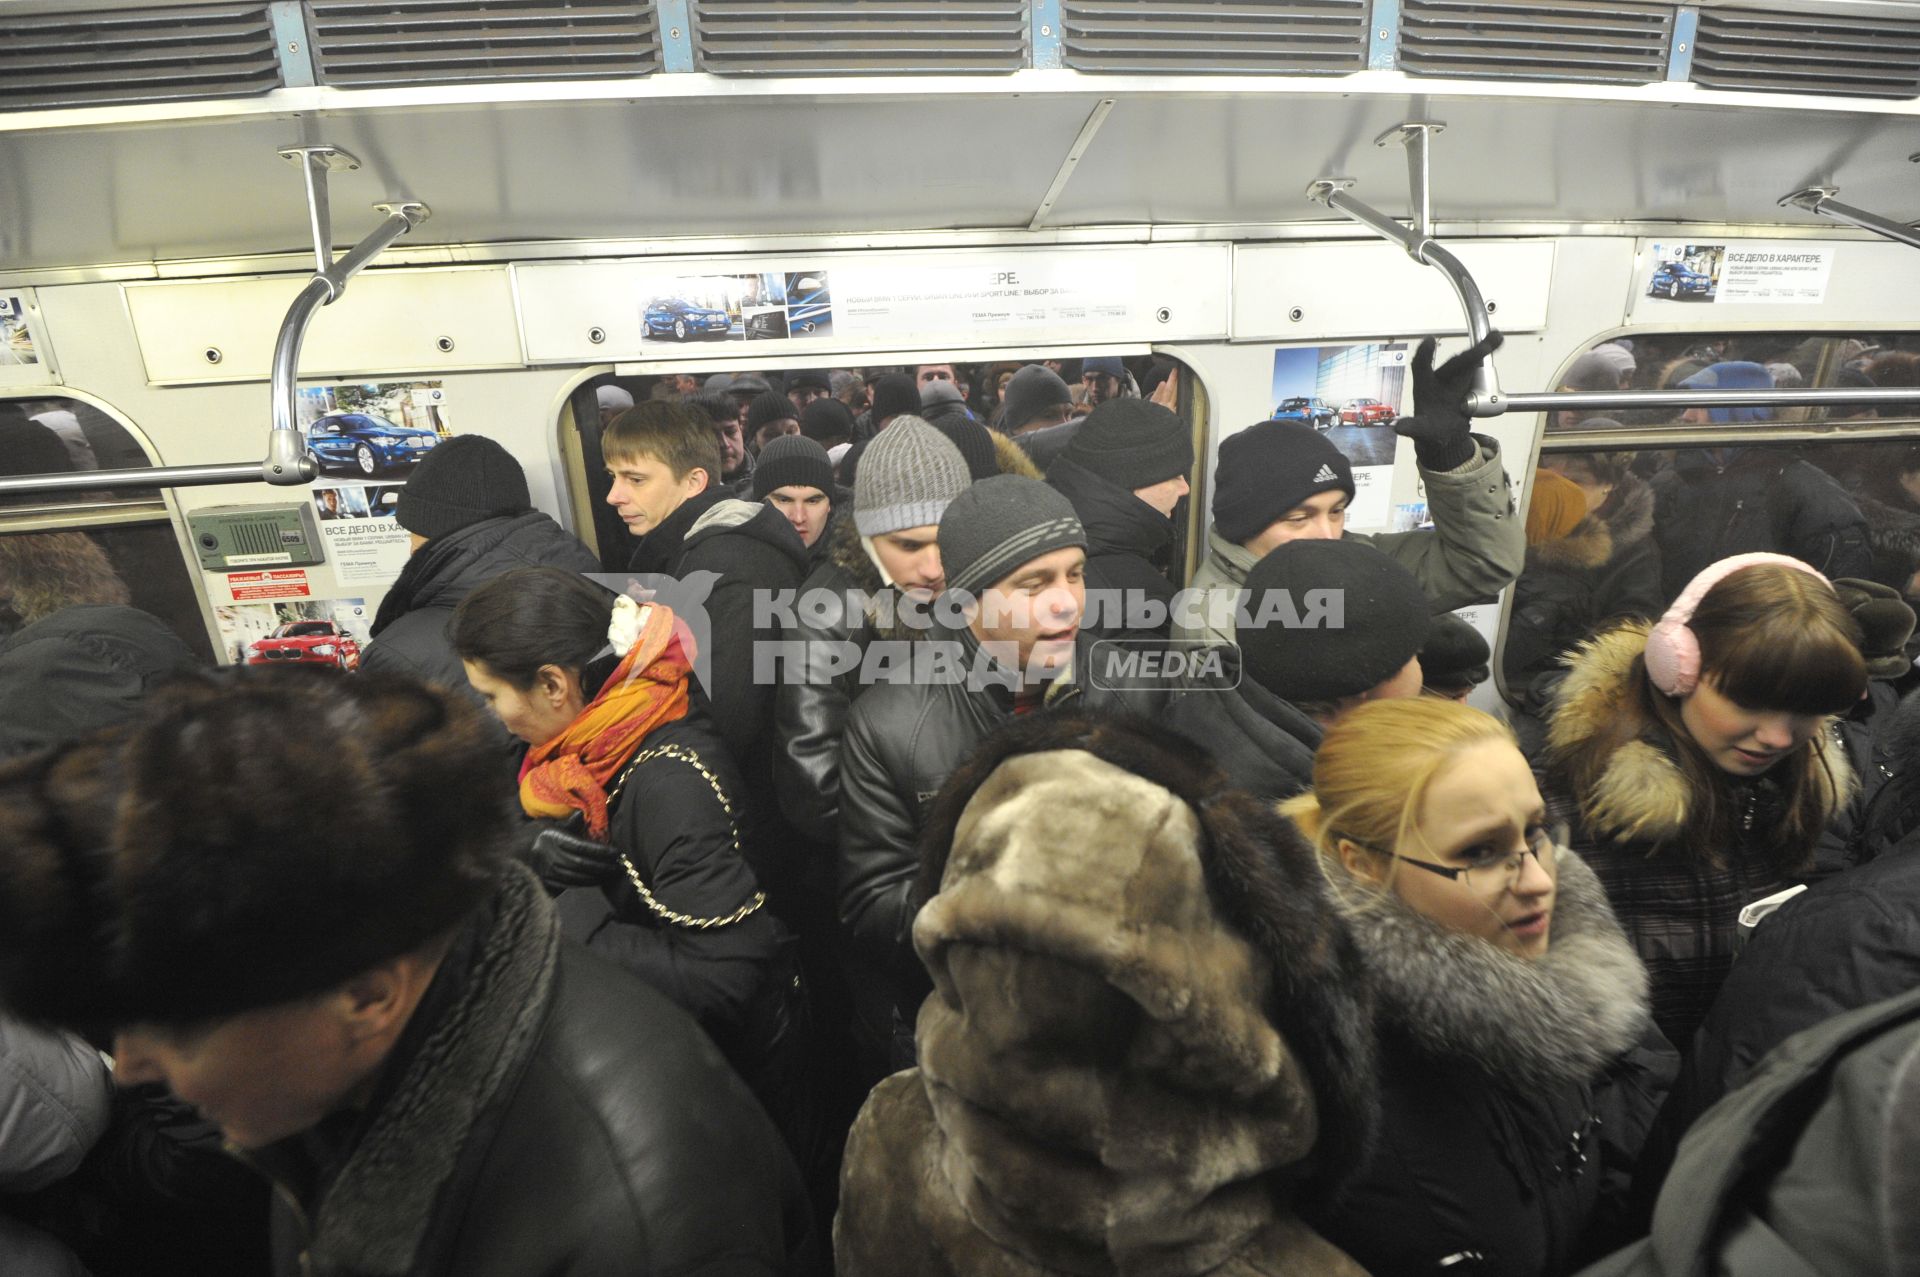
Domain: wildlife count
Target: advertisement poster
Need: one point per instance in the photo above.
(365, 542)
(367, 432)
(1351, 394)
(753, 307)
(16, 338)
(1080, 293)
(307, 632)
(1765, 272)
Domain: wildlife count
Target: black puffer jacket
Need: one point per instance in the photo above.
(1754, 501)
(81, 668)
(410, 630)
(544, 1112)
(1129, 544)
(902, 742)
(1515, 1093)
(671, 820)
(1264, 743)
(1604, 571)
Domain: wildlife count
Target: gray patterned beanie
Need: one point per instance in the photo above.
(907, 475)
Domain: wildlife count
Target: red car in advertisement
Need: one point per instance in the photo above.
(1365, 412)
(307, 643)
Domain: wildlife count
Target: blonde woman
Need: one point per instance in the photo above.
(1517, 1059)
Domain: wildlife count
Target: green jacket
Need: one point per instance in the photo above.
(1475, 549)
(1808, 1169)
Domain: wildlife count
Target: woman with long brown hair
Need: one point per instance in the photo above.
(1697, 759)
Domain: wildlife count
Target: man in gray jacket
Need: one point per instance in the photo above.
(54, 1104)
(1283, 481)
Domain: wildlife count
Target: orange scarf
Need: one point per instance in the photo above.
(646, 690)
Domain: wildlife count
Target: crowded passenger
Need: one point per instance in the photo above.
(1035, 398)
(1300, 666)
(794, 476)
(1519, 1072)
(1454, 660)
(1283, 481)
(1148, 1047)
(469, 518)
(771, 416)
(383, 1020)
(1699, 764)
(1125, 471)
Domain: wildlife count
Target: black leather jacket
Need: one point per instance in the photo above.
(544, 1112)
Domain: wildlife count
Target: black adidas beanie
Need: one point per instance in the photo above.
(462, 481)
(1269, 469)
(1375, 622)
(792, 461)
(1132, 444)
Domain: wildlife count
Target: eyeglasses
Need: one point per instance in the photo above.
(1494, 871)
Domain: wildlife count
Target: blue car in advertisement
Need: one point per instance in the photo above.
(1313, 410)
(1674, 280)
(682, 320)
(365, 444)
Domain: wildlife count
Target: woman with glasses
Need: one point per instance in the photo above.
(1519, 1071)
(1699, 761)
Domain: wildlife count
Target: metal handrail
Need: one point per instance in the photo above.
(287, 463)
(1819, 199)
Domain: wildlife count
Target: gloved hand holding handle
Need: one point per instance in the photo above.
(1440, 428)
(561, 855)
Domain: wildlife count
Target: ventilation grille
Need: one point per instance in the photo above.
(883, 37)
(1298, 37)
(139, 55)
(1807, 53)
(1594, 41)
(359, 43)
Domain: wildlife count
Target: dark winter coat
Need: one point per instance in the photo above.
(1851, 941)
(723, 554)
(1264, 743)
(543, 1112)
(1606, 570)
(1882, 739)
(1757, 501)
(903, 739)
(410, 630)
(1811, 1168)
(810, 708)
(1129, 545)
(1142, 1105)
(1680, 910)
(82, 668)
(675, 818)
(1515, 1093)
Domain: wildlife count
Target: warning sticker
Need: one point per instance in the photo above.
(254, 586)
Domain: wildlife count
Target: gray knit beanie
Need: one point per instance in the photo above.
(999, 524)
(907, 476)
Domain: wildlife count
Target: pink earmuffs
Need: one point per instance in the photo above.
(1673, 653)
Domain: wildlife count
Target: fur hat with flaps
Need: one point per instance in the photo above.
(247, 840)
(1149, 1032)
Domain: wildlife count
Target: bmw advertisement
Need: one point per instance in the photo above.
(766, 306)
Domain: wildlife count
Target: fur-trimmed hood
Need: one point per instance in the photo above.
(1598, 537)
(1149, 1033)
(1641, 795)
(1560, 1018)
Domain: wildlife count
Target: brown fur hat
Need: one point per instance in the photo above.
(249, 839)
(1262, 881)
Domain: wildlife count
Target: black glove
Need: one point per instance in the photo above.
(562, 856)
(1440, 427)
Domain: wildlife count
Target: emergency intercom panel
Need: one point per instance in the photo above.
(234, 538)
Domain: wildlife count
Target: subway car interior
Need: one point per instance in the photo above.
(259, 259)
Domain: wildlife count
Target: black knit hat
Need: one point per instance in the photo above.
(1000, 523)
(894, 394)
(810, 378)
(1132, 444)
(1033, 390)
(827, 419)
(462, 481)
(1269, 469)
(792, 461)
(1455, 655)
(945, 411)
(769, 407)
(1365, 633)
